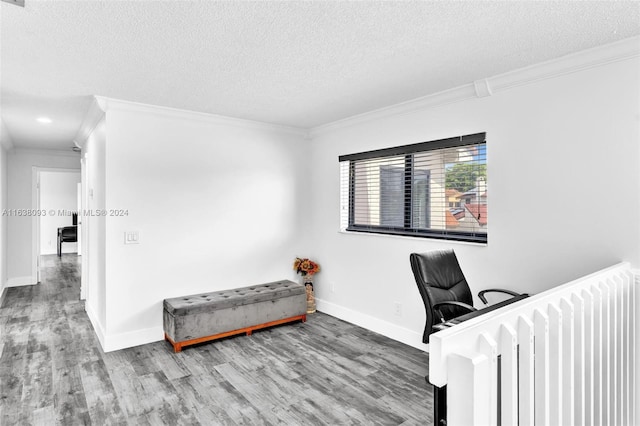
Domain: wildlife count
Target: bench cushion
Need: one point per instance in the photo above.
(205, 302)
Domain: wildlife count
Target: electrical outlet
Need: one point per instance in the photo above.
(397, 309)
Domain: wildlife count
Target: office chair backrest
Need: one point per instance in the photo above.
(439, 278)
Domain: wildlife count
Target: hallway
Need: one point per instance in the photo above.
(47, 346)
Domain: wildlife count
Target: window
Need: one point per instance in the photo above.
(434, 189)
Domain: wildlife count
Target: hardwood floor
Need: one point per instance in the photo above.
(322, 372)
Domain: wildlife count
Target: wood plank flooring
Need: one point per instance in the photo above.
(322, 372)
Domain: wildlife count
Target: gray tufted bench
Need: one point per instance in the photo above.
(202, 317)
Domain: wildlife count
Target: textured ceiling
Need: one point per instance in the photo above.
(299, 63)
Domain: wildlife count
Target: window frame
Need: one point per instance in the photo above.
(408, 151)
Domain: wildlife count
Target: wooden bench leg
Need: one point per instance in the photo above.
(177, 347)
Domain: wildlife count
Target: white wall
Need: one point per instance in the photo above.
(93, 229)
(59, 194)
(5, 145)
(3, 220)
(563, 161)
(216, 206)
(21, 163)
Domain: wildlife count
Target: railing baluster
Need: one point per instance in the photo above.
(589, 370)
(542, 381)
(578, 359)
(568, 356)
(568, 362)
(508, 346)
(488, 347)
(619, 345)
(555, 365)
(626, 339)
(607, 373)
(634, 331)
(614, 396)
(526, 371)
(467, 392)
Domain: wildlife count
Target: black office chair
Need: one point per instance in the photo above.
(443, 287)
(446, 295)
(68, 234)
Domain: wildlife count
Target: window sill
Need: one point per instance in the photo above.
(413, 238)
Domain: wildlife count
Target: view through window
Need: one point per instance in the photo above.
(434, 189)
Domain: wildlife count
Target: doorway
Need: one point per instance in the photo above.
(57, 204)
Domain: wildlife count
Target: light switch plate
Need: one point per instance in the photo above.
(132, 237)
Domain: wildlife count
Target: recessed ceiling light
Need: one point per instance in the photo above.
(44, 120)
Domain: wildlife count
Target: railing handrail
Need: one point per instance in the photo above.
(460, 338)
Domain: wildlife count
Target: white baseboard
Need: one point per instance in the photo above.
(392, 331)
(114, 342)
(95, 322)
(21, 281)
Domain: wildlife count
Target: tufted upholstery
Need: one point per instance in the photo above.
(209, 314)
(439, 278)
(224, 299)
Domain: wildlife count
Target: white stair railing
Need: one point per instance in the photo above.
(563, 357)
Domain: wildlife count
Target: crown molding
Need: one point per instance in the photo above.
(625, 49)
(95, 114)
(46, 152)
(621, 50)
(110, 104)
(457, 94)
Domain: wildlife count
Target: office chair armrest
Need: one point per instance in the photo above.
(495, 290)
(437, 306)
